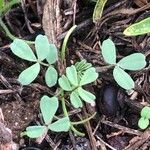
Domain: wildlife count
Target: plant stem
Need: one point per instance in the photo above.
(63, 49)
(76, 131)
(44, 64)
(104, 68)
(83, 121)
(67, 115)
(8, 6)
(8, 34)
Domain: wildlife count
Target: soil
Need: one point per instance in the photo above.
(20, 104)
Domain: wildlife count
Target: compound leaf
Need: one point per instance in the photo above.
(35, 131)
(89, 76)
(62, 125)
(64, 83)
(138, 28)
(71, 74)
(52, 56)
(51, 76)
(85, 95)
(109, 51)
(145, 113)
(143, 123)
(134, 61)
(48, 108)
(41, 47)
(123, 79)
(29, 74)
(75, 99)
(22, 50)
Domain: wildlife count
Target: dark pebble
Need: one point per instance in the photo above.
(108, 102)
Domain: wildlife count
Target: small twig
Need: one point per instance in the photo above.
(112, 148)
(124, 129)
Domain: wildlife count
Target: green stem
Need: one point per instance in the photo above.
(76, 131)
(67, 115)
(63, 49)
(8, 6)
(8, 34)
(44, 64)
(83, 121)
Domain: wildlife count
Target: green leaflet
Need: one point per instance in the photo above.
(48, 108)
(89, 76)
(61, 125)
(64, 83)
(143, 123)
(51, 76)
(29, 74)
(134, 61)
(109, 51)
(123, 79)
(41, 47)
(98, 10)
(75, 99)
(52, 56)
(71, 74)
(22, 50)
(35, 131)
(139, 28)
(86, 96)
(145, 113)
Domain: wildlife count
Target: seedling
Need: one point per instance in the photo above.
(44, 50)
(139, 28)
(77, 76)
(72, 83)
(134, 62)
(145, 117)
(48, 107)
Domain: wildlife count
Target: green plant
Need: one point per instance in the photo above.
(4, 8)
(143, 122)
(138, 28)
(71, 84)
(48, 107)
(98, 10)
(134, 61)
(44, 50)
(76, 77)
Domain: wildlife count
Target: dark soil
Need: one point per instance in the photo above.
(20, 105)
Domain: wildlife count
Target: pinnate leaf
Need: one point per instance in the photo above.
(143, 123)
(64, 83)
(109, 51)
(48, 108)
(71, 74)
(123, 79)
(22, 50)
(35, 131)
(86, 96)
(29, 74)
(62, 125)
(89, 76)
(134, 61)
(75, 99)
(52, 56)
(51, 76)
